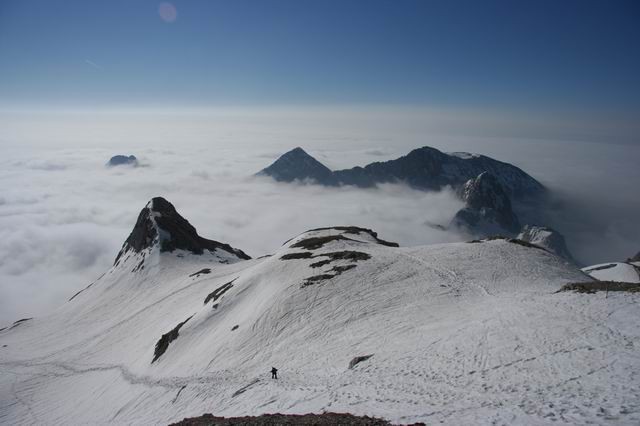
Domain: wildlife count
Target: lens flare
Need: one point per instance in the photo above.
(167, 12)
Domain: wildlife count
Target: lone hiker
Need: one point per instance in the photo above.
(274, 373)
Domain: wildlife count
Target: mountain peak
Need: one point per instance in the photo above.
(298, 165)
(160, 224)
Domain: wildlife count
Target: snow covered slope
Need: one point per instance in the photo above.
(466, 333)
(615, 271)
(547, 238)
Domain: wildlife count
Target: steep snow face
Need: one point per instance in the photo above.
(548, 238)
(615, 271)
(488, 209)
(423, 168)
(467, 333)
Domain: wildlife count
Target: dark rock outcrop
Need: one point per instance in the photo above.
(123, 160)
(423, 168)
(160, 223)
(488, 208)
(358, 360)
(217, 293)
(166, 339)
(548, 238)
(324, 419)
(635, 258)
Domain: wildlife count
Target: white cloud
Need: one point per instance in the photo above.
(64, 216)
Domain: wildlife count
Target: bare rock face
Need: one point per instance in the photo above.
(160, 224)
(488, 210)
(547, 238)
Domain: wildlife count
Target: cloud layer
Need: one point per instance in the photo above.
(64, 216)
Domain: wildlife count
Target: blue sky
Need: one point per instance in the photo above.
(576, 55)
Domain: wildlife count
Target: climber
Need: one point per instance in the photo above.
(274, 373)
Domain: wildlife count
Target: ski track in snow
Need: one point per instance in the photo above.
(460, 334)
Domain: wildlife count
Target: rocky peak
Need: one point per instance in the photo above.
(160, 224)
(298, 165)
(547, 238)
(488, 208)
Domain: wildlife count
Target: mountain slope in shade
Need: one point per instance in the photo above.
(488, 209)
(452, 333)
(547, 238)
(424, 168)
(298, 165)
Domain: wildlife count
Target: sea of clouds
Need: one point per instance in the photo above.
(64, 215)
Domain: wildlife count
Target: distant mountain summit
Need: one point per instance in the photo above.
(298, 165)
(488, 210)
(160, 225)
(122, 160)
(424, 168)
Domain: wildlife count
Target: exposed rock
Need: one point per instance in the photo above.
(297, 255)
(548, 238)
(358, 360)
(166, 339)
(509, 240)
(201, 272)
(488, 208)
(595, 286)
(324, 419)
(314, 243)
(424, 168)
(160, 223)
(356, 230)
(123, 160)
(217, 293)
(635, 258)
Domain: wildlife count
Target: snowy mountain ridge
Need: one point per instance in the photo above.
(460, 333)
